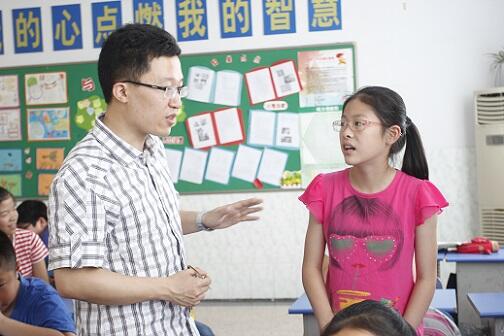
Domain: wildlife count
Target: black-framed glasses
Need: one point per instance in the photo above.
(169, 91)
(356, 125)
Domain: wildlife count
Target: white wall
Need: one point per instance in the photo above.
(434, 53)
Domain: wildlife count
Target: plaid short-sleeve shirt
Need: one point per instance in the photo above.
(114, 207)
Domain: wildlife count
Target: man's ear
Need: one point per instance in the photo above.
(393, 134)
(120, 92)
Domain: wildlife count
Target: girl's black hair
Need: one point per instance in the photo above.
(372, 316)
(391, 110)
(6, 194)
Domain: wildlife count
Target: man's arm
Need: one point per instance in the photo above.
(222, 217)
(100, 286)
(10, 327)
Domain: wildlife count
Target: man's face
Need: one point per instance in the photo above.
(9, 286)
(151, 112)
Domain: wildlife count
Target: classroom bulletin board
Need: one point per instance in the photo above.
(238, 128)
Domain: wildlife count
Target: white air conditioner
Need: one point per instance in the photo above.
(489, 115)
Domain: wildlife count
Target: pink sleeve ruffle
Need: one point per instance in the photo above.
(429, 201)
(313, 198)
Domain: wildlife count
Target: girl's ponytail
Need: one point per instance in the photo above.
(414, 160)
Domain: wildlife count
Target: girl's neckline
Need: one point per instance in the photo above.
(375, 194)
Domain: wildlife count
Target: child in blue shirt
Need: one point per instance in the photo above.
(28, 306)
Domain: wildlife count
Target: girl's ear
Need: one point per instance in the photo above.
(120, 92)
(393, 134)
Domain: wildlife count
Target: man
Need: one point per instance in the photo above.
(115, 226)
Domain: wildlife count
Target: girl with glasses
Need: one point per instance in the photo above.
(378, 223)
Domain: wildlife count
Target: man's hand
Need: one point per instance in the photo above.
(187, 288)
(231, 214)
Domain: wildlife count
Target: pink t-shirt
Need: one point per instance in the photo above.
(371, 237)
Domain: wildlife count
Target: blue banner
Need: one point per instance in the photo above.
(324, 15)
(1, 35)
(191, 20)
(67, 27)
(107, 17)
(148, 11)
(235, 18)
(27, 29)
(279, 17)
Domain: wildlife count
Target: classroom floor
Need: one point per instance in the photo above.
(250, 318)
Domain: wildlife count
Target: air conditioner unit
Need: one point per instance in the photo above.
(489, 115)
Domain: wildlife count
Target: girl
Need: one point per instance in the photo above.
(373, 218)
(368, 318)
(30, 250)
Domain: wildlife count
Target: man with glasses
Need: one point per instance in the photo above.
(115, 226)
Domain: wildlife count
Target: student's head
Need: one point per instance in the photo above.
(140, 73)
(8, 213)
(378, 122)
(32, 216)
(8, 279)
(368, 318)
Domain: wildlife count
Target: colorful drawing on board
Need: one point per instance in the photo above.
(11, 160)
(11, 183)
(46, 88)
(50, 158)
(9, 93)
(88, 110)
(10, 125)
(44, 183)
(48, 124)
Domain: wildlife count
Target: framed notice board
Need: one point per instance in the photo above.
(238, 129)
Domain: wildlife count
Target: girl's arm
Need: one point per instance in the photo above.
(39, 270)
(425, 259)
(312, 273)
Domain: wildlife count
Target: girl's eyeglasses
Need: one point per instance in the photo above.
(356, 125)
(169, 91)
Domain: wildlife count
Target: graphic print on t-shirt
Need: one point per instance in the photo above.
(364, 240)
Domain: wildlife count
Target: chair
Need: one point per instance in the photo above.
(436, 323)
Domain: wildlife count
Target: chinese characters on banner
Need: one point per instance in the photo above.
(149, 11)
(67, 27)
(324, 15)
(279, 17)
(27, 28)
(191, 20)
(235, 18)
(106, 18)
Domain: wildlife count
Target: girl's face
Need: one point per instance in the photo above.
(362, 137)
(8, 216)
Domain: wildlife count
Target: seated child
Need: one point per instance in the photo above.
(33, 217)
(28, 306)
(368, 318)
(30, 250)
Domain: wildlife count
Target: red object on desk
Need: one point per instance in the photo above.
(478, 245)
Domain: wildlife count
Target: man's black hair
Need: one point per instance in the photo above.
(128, 51)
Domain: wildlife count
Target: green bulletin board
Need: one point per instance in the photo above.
(27, 164)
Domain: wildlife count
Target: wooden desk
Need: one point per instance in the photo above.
(444, 300)
(490, 306)
(476, 273)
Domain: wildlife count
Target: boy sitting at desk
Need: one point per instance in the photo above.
(28, 306)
